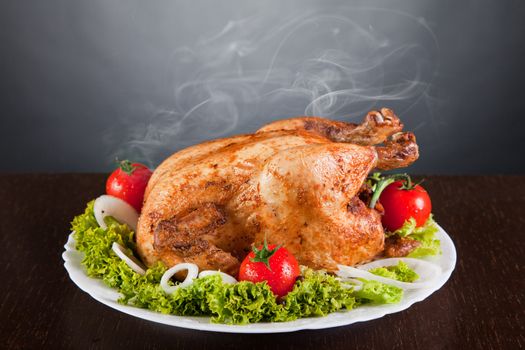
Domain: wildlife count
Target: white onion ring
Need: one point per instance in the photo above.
(133, 263)
(224, 276)
(356, 284)
(428, 272)
(193, 272)
(106, 205)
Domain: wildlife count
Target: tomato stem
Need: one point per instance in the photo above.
(126, 166)
(381, 182)
(264, 254)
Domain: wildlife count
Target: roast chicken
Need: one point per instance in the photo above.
(295, 182)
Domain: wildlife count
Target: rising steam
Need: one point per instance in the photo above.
(258, 69)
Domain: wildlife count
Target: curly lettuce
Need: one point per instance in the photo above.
(374, 292)
(401, 272)
(425, 234)
(316, 293)
(95, 242)
(244, 302)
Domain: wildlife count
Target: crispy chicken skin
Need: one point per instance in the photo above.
(295, 182)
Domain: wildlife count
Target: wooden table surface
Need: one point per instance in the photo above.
(482, 306)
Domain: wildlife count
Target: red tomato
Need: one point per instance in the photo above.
(401, 205)
(280, 272)
(128, 182)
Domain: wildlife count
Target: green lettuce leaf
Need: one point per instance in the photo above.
(243, 302)
(373, 292)
(95, 242)
(317, 294)
(428, 247)
(407, 229)
(401, 272)
(425, 234)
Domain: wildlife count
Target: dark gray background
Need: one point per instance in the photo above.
(84, 81)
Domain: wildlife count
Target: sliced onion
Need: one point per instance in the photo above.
(224, 276)
(131, 261)
(428, 272)
(356, 284)
(106, 205)
(193, 272)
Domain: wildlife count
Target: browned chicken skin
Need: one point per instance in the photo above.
(295, 182)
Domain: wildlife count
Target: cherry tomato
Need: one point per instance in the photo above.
(275, 265)
(128, 182)
(402, 204)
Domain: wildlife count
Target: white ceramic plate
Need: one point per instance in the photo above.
(99, 291)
